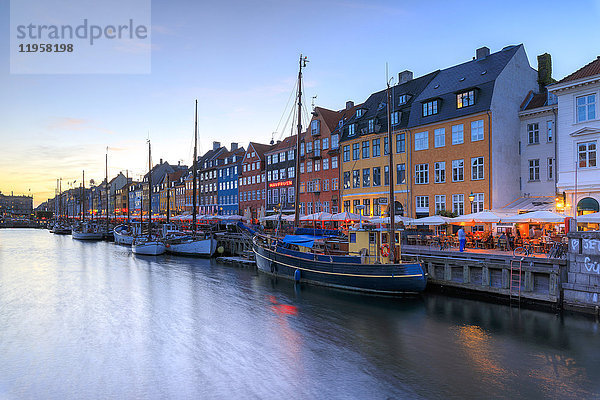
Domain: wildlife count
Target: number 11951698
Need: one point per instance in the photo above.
(45, 48)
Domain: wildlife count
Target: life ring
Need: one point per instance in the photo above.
(385, 250)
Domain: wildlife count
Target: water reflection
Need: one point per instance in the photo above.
(89, 320)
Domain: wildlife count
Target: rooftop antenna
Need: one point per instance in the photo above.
(313, 102)
(273, 138)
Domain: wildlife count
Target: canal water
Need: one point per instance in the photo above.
(92, 321)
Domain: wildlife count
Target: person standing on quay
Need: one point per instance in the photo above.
(462, 239)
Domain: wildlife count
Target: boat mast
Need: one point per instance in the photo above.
(168, 198)
(302, 64)
(149, 190)
(106, 174)
(128, 212)
(195, 169)
(392, 206)
(83, 199)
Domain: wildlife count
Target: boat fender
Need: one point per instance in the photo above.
(220, 249)
(385, 250)
(297, 275)
(167, 245)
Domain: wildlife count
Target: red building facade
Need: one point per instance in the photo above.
(252, 180)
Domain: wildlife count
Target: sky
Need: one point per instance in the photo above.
(240, 60)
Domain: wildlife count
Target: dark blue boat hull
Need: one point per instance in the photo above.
(341, 272)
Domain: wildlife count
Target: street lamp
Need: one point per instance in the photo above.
(471, 199)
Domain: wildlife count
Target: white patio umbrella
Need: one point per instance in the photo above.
(397, 219)
(320, 216)
(345, 216)
(247, 214)
(486, 217)
(432, 220)
(536, 216)
(590, 218)
(273, 217)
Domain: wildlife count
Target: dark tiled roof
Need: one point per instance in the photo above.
(478, 74)
(260, 149)
(537, 100)
(287, 143)
(591, 69)
(330, 117)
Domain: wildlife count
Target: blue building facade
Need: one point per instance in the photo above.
(229, 165)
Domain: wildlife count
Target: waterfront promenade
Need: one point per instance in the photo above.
(91, 320)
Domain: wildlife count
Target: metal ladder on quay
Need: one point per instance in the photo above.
(515, 281)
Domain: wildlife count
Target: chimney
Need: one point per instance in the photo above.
(234, 146)
(161, 160)
(179, 163)
(482, 53)
(404, 77)
(349, 104)
(216, 145)
(544, 71)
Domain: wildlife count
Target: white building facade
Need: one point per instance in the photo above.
(578, 137)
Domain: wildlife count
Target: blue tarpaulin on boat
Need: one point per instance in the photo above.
(302, 240)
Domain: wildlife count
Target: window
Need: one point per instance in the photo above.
(325, 164)
(534, 170)
(395, 117)
(400, 143)
(355, 204)
(386, 146)
(376, 176)
(549, 131)
(315, 127)
(356, 178)
(367, 205)
(586, 108)
(301, 168)
(359, 112)
(402, 99)
(347, 180)
(365, 149)
(477, 204)
(325, 185)
(282, 173)
(291, 172)
(302, 187)
(550, 168)
(587, 154)
(334, 162)
(421, 140)
(465, 99)
(325, 143)
(282, 157)
(301, 149)
(376, 147)
(430, 108)
(317, 165)
(275, 175)
(351, 129)
(347, 205)
(290, 155)
(533, 133)
(386, 175)
(366, 177)
(291, 194)
(356, 151)
(439, 136)
(309, 147)
(422, 203)
(458, 134)
(309, 166)
(371, 125)
(401, 174)
(458, 204)
(347, 153)
(335, 141)
(477, 130)
(421, 174)
(440, 203)
(458, 170)
(269, 196)
(439, 172)
(269, 176)
(476, 168)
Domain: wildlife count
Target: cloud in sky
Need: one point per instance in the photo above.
(75, 124)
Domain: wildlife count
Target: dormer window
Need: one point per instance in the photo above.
(430, 108)
(465, 99)
(552, 99)
(341, 123)
(403, 99)
(395, 117)
(371, 125)
(359, 112)
(351, 129)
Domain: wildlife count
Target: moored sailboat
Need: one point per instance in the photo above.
(86, 230)
(364, 260)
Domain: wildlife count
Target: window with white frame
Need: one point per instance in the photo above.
(549, 131)
(325, 143)
(533, 133)
(371, 127)
(315, 127)
(395, 117)
(356, 151)
(476, 130)
(301, 168)
(334, 162)
(291, 193)
(440, 203)
(458, 170)
(440, 172)
(477, 204)
(458, 204)
(422, 140)
(439, 136)
(275, 175)
(291, 172)
(421, 174)
(317, 165)
(276, 196)
(586, 154)
(476, 168)
(458, 134)
(586, 107)
(282, 173)
(290, 155)
(430, 108)
(534, 170)
(550, 168)
(422, 203)
(309, 166)
(351, 129)
(325, 164)
(335, 141)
